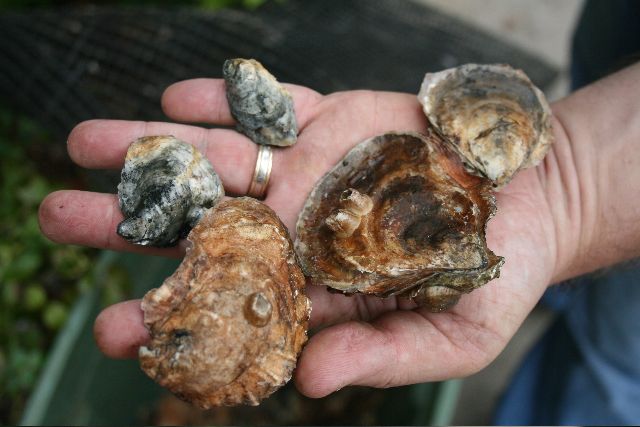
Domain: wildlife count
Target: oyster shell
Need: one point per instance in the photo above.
(227, 326)
(399, 215)
(262, 107)
(493, 116)
(166, 185)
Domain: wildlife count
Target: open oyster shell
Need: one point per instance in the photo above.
(262, 107)
(227, 327)
(165, 187)
(492, 115)
(399, 215)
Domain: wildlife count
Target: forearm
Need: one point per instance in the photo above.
(592, 175)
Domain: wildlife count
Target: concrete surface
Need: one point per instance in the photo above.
(544, 28)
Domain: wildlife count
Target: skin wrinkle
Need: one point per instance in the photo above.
(114, 221)
(376, 113)
(389, 376)
(76, 135)
(385, 341)
(549, 237)
(221, 106)
(574, 193)
(467, 342)
(561, 191)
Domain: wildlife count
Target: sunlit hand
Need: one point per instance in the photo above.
(360, 340)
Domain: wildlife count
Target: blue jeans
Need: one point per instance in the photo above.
(586, 368)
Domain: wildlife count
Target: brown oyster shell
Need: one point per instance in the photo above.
(227, 327)
(492, 115)
(399, 215)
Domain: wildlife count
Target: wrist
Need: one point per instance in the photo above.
(568, 199)
(592, 175)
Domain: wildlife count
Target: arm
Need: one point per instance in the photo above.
(593, 174)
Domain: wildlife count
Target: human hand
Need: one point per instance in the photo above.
(360, 340)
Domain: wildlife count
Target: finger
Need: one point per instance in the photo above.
(119, 330)
(330, 308)
(89, 219)
(402, 347)
(103, 144)
(205, 101)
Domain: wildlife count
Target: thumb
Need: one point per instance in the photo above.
(399, 348)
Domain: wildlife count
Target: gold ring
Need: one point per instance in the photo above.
(261, 173)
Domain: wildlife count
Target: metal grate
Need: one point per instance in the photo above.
(65, 65)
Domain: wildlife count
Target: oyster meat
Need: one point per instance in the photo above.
(492, 115)
(166, 185)
(227, 327)
(262, 107)
(399, 215)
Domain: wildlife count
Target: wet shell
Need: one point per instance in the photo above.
(493, 116)
(262, 107)
(399, 215)
(166, 185)
(227, 327)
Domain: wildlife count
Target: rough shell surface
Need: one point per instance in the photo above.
(262, 107)
(165, 187)
(227, 327)
(493, 116)
(399, 215)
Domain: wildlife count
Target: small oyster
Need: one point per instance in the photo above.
(227, 326)
(399, 215)
(166, 185)
(262, 107)
(493, 116)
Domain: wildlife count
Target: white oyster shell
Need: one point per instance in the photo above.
(492, 115)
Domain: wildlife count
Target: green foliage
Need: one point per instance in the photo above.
(219, 4)
(210, 4)
(39, 280)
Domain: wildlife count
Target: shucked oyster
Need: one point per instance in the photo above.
(166, 185)
(227, 326)
(262, 107)
(399, 215)
(493, 116)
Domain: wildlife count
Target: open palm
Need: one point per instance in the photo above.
(360, 339)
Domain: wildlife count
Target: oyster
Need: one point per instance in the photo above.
(227, 326)
(492, 115)
(399, 215)
(262, 107)
(166, 185)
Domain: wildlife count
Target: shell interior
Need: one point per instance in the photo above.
(425, 225)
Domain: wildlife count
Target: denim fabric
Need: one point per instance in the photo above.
(586, 368)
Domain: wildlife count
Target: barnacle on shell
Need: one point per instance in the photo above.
(166, 185)
(226, 328)
(492, 115)
(262, 107)
(399, 215)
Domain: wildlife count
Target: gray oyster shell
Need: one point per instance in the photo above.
(166, 185)
(492, 115)
(262, 107)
